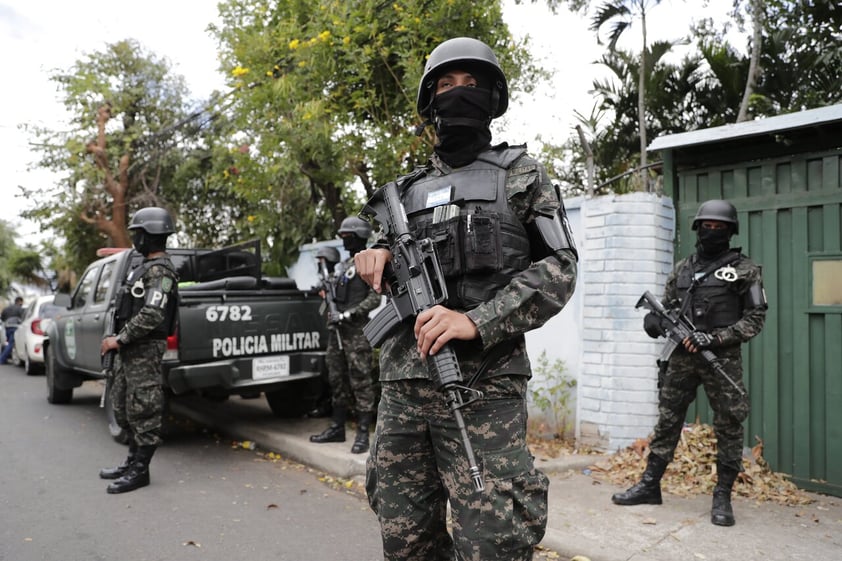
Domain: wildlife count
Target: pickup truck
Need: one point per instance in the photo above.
(238, 332)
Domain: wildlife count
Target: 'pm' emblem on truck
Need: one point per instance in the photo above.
(258, 344)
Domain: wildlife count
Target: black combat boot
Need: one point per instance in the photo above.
(137, 475)
(336, 431)
(118, 471)
(721, 512)
(648, 490)
(361, 440)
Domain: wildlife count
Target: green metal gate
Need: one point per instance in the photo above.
(789, 199)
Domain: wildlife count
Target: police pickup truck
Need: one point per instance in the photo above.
(237, 333)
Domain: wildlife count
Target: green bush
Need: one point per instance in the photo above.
(551, 393)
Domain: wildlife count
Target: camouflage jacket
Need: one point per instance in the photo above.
(752, 319)
(532, 296)
(160, 285)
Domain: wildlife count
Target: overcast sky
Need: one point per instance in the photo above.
(39, 36)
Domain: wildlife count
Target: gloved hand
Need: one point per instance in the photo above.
(699, 340)
(652, 325)
(334, 318)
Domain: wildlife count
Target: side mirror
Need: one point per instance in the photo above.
(62, 300)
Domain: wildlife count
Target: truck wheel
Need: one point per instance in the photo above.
(294, 400)
(55, 395)
(118, 433)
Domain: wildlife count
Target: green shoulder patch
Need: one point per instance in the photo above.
(166, 284)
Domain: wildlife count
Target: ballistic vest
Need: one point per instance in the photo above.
(129, 305)
(715, 301)
(479, 242)
(350, 289)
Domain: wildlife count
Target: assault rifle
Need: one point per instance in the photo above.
(416, 283)
(107, 360)
(676, 327)
(330, 298)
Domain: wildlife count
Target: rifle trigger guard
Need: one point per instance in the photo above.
(468, 395)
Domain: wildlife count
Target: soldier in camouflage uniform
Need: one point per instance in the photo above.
(721, 292)
(145, 316)
(509, 260)
(349, 355)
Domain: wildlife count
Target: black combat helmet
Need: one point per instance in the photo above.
(720, 210)
(329, 254)
(467, 54)
(153, 220)
(357, 226)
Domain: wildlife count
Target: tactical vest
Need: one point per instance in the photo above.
(129, 305)
(713, 302)
(480, 244)
(350, 289)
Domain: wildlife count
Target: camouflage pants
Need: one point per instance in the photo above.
(137, 395)
(417, 464)
(684, 375)
(349, 369)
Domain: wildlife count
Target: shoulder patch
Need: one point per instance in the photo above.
(166, 284)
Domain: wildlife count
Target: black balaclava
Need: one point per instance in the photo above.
(353, 243)
(148, 243)
(462, 116)
(713, 242)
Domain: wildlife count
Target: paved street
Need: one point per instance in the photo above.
(207, 500)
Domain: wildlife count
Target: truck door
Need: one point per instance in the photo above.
(90, 329)
(70, 323)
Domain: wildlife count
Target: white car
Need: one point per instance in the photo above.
(29, 337)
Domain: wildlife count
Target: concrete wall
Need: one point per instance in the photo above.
(625, 247)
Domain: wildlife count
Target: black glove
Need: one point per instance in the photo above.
(652, 325)
(702, 340)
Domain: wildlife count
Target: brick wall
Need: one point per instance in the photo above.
(626, 247)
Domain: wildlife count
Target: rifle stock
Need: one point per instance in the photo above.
(416, 283)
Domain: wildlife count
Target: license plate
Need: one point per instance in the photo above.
(265, 367)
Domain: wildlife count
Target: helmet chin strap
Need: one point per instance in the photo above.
(419, 128)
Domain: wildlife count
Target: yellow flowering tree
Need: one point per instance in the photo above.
(324, 103)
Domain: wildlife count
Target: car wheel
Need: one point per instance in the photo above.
(31, 368)
(55, 395)
(14, 357)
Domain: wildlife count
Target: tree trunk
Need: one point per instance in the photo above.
(115, 226)
(641, 105)
(586, 146)
(756, 9)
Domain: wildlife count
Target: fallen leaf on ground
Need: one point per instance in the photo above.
(693, 471)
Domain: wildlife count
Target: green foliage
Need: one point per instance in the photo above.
(801, 56)
(7, 246)
(144, 98)
(325, 103)
(551, 393)
(18, 264)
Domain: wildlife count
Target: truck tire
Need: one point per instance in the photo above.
(55, 395)
(294, 400)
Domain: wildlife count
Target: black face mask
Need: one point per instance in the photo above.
(353, 244)
(141, 242)
(462, 116)
(148, 243)
(712, 243)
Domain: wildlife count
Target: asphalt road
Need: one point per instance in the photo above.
(208, 500)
